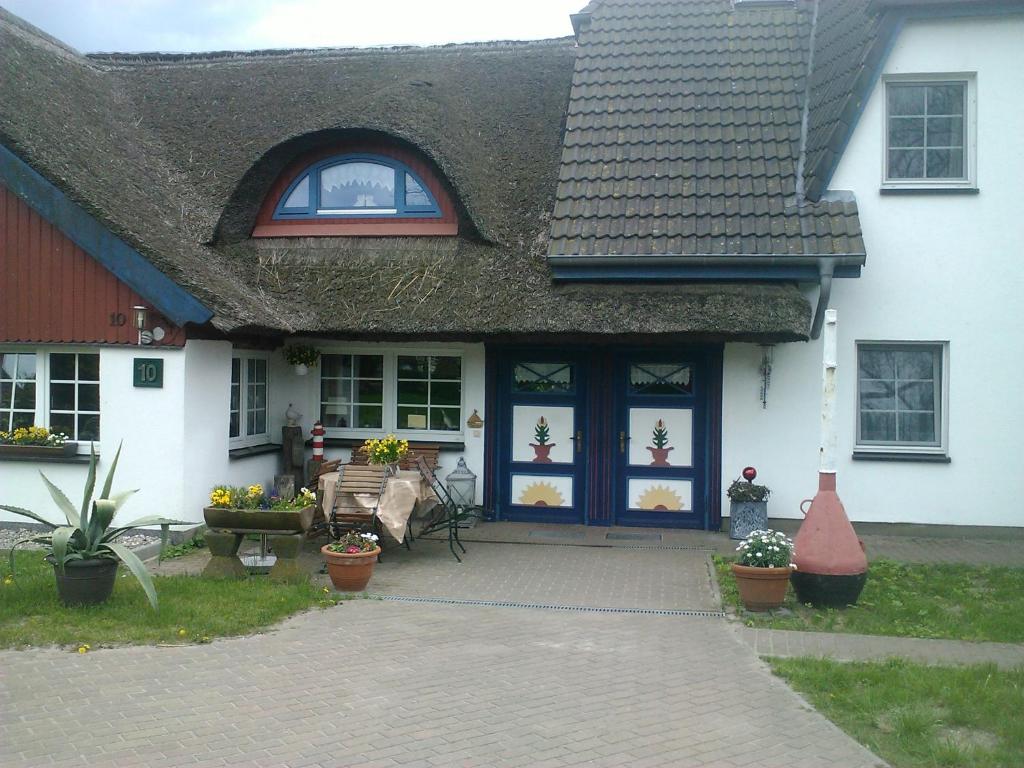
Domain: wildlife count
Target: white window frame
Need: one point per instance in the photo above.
(970, 180)
(42, 410)
(390, 396)
(942, 449)
(260, 438)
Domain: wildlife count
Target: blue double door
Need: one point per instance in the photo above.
(604, 437)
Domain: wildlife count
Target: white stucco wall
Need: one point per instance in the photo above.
(940, 268)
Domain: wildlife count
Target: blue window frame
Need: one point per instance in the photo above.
(357, 186)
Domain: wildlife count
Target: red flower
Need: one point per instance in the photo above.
(352, 549)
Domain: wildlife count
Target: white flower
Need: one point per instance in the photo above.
(758, 554)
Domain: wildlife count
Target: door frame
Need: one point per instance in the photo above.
(598, 362)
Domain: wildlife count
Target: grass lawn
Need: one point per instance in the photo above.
(959, 602)
(916, 716)
(192, 609)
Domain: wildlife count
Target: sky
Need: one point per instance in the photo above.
(216, 25)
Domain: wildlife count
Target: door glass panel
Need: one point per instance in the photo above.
(661, 437)
(542, 490)
(660, 495)
(660, 379)
(542, 377)
(542, 434)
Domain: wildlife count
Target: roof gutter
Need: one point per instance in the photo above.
(707, 260)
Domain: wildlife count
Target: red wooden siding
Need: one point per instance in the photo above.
(448, 224)
(53, 291)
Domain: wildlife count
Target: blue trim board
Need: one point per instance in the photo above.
(127, 264)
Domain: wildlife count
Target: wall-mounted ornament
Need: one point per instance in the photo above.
(767, 355)
(474, 421)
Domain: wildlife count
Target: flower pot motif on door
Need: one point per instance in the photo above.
(542, 448)
(660, 448)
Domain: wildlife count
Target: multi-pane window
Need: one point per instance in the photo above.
(248, 403)
(430, 393)
(17, 390)
(75, 394)
(57, 390)
(926, 131)
(391, 392)
(899, 390)
(352, 391)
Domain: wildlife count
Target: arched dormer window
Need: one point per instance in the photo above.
(366, 191)
(357, 185)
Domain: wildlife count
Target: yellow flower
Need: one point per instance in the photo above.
(84, 648)
(182, 632)
(8, 581)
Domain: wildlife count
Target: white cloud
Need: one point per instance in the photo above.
(205, 25)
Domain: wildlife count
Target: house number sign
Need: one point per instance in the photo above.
(148, 372)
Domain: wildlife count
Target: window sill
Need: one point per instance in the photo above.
(253, 450)
(73, 458)
(928, 458)
(929, 191)
(354, 442)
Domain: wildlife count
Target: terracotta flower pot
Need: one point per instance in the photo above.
(350, 573)
(761, 589)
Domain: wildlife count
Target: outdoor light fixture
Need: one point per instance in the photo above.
(462, 485)
(139, 319)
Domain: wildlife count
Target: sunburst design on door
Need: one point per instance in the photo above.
(541, 494)
(658, 498)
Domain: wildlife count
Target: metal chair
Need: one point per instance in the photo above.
(447, 514)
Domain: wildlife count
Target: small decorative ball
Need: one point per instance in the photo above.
(749, 473)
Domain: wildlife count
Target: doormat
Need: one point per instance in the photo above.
(633, 536)
(575, 535)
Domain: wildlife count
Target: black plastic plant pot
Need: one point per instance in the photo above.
(823, 591)
(85, 582)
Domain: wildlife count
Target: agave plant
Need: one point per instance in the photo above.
(89, 534)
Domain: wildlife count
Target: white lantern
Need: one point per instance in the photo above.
(462, 485)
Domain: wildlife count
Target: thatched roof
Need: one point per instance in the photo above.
(175, 154)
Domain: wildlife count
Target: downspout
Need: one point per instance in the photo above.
(825, 270)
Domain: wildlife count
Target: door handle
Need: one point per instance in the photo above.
(622, 442)
(579, 441)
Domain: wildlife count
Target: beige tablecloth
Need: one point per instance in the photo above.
(402, 494)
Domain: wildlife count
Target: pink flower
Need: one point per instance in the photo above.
(352, 549)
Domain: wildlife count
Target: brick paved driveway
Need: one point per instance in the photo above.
(385, 683)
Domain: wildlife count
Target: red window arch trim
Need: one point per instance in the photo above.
(447, 224)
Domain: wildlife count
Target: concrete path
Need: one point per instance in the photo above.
(412, 683)
(850, 647)
(376, 683)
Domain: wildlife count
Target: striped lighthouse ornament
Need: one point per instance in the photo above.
(318, 441)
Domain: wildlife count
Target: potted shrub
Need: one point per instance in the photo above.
(302, 357)
(252, 508)
(85, 552)
(388, 450)
(35, 441)
(748, 505)
(350, 560)
(763, 569)
(542, 448)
